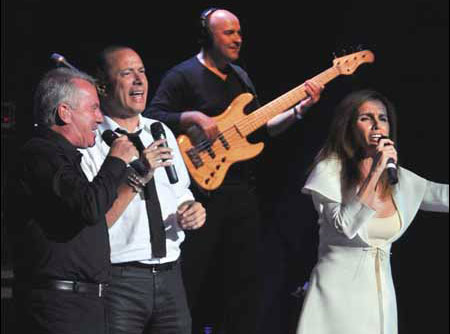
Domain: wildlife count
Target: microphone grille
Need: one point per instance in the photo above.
(157, 130)
(109, 136)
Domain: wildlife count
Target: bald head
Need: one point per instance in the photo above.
(221, 16)
(225, 30)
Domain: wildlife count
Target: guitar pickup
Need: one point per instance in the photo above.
(211, 152)
(195, 158)
(224, 142)
(201, 143)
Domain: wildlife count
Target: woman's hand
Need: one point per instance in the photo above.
(385, 151)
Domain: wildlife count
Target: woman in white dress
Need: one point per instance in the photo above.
(361, 213)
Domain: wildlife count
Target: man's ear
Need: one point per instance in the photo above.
(63, 114)
(103, 85)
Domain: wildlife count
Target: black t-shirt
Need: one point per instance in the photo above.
(190, 86)
(60, 226)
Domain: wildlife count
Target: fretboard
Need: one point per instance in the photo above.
(261, 116)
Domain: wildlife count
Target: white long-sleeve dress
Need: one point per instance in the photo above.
(351, 290)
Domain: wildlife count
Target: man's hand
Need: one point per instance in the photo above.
(208, 124)
(314, 91)
(157, 156)
(191, 215)
(123, 149)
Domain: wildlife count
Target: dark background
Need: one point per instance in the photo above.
(286, 42)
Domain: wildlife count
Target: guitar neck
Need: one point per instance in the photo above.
(261, 116)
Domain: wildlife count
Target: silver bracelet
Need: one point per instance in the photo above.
(135, 182)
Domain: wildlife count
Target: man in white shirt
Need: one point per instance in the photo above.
(146, 294)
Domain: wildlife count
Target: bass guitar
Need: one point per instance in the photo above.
(208, 162)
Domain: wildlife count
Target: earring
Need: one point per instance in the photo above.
(101, 90)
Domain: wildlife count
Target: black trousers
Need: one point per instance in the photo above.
(44, 311)
(221, 264)
(143, 302)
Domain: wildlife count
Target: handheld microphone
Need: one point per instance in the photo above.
(139, 166)
(392, 168)
(61, 61)
(159, 133)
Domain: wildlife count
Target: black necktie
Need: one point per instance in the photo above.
(157, 230)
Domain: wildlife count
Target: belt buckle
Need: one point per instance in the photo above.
(102, 289)
(76, 287)
(154, 269)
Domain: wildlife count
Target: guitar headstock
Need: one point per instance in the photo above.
(347, 65)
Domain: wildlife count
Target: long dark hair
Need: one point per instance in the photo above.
(343, 142)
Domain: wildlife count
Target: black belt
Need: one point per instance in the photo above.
(154, 268)
(75, 287)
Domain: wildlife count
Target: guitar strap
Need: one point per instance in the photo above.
(245, 80)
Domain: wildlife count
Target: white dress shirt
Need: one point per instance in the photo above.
(130, 235)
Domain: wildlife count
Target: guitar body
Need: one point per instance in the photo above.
(208, 163)
(208, 167)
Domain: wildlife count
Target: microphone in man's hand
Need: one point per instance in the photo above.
(392, 168)
(159, 133)
(139, 166)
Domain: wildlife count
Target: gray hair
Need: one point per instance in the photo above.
(56, 87)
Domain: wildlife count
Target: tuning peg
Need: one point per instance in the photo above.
(335, 55)
(359, 47)
(344, 52)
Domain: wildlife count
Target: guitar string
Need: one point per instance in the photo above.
(246, 124)
(287, 100)
(250, 123)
